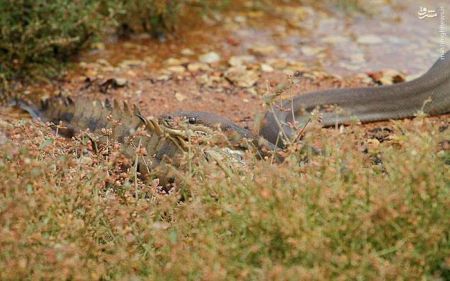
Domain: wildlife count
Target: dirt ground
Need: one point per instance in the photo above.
(229, 64)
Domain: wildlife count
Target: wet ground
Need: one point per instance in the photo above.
(227, 63)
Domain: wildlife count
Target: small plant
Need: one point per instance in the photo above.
(37, 36)
(67, 212)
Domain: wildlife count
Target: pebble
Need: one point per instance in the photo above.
(240, 60)
(262, 50)
(266, 67)
(187, 52)
(369, 39)
(210, 57)
(180, 97)
(198, 66)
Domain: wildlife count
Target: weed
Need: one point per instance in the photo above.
(68, 213)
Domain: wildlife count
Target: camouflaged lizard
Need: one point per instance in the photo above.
(162, 141)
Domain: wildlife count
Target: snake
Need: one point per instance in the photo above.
(429, 93)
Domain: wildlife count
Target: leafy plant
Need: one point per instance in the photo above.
(36, 36)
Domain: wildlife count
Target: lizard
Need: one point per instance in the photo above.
(155, 144)
(164, 140)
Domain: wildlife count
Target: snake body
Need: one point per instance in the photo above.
(429, 93)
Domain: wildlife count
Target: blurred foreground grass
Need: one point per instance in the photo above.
(66, 213)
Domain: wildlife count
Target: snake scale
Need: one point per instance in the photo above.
(165, 137)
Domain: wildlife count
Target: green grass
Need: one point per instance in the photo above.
(36, 37)
(66, 213)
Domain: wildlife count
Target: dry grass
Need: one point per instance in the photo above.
(66, 213)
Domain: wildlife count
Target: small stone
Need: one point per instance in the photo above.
(187, 52)
(334, 39)
(131, 63)
(103, 62)
(98, 46)
(266, 67)
(163, 77)
(197, 66)
(210, 57)
(120, 82)
(176, 69)
(175, 61)
(311, 51)
(369, 39)
(262, 50)
(180, 97)
(240, 19)
(241, 77)
(277, 63)
(240, 60)
(364, 78)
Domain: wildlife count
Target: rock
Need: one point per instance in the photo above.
(121, 82)
(203, 79)
(277, 63)
(364, 78)
(197, 66)
(263, 50)
(103, 62)
(187, 52)
(240, 60)
(175, 61)
(98, 46)
(210, 57)
(266, 67)
(369, 39)
(334, 39)
(242, 77)
(163, 77)
(180, 97)
(311, 51)
(131, 63)
(176, 69)
(240, 19)
(298, 66)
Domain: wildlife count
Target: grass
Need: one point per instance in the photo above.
(39, 38)
(66, 213)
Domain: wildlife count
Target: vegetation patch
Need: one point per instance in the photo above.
(37, 36)
(379, 210)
